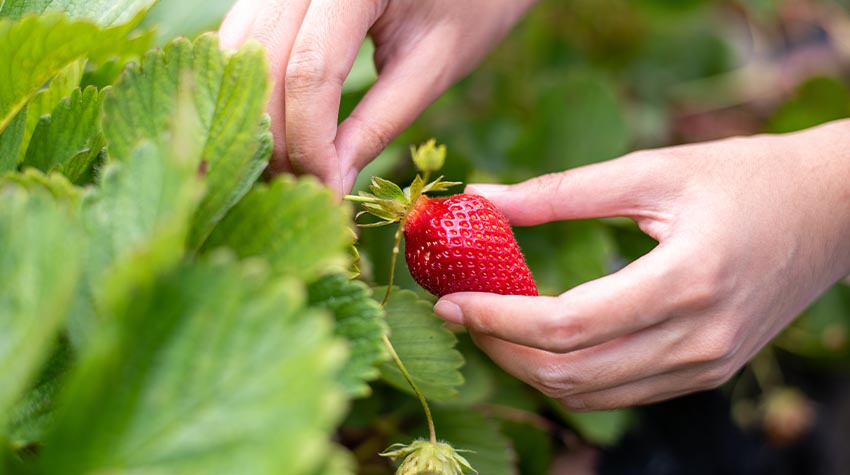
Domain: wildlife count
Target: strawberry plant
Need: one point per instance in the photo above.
(163, 309)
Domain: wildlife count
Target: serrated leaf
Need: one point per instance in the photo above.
(211, 368)
(295, 224)
(71, 129)
(45, 100)
(229, 92)
(360, 320)
(104, 12)
(490, 451)
(38, 280)
(62, 190)
(137, 220)
(424, 345)
(35, 49)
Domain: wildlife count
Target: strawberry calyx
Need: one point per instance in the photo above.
(388, 202)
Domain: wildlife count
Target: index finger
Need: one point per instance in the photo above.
(321, 58)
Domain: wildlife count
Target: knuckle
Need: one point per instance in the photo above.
(715, 347)
(550, 380)
(306, 69)
(548, 183)
(705, 287)
(376, 135)
(564, 333)
(715, 376)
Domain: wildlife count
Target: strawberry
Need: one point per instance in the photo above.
(463, 243)
(454, 244)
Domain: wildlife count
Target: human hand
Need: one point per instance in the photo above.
(421, 48)
(750, 231)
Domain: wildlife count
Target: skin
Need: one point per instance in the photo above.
(751, 230)
(312, 45)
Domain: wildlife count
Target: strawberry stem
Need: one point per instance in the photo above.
(396, 245)
(432, 432)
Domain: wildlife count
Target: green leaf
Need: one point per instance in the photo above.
(72, 129)
(211, 368)
(229, 92)
(490, 451)
(295, 224)
(62, 190)
(424, 345)
(104, 12)
(137, 220)
(31, 416)
(360, 320)
(35, 49)
(10, 141)
(599, 427)
(42, 104)
(39, 275)
(80, 169)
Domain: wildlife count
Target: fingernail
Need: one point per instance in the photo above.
(485, 189)
(449, 312)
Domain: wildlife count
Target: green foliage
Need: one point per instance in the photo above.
(360, 320)
(490, 452)
(229, 93)
(70, 131)
(48, 43)
(285, 221)
(103, 12)
(232, 374)
(35, 232)
(424, 345)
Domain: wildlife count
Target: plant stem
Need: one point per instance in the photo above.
(397, 243)
(432, 432)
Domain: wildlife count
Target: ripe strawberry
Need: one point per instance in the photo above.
(455, 244)
(463, 243)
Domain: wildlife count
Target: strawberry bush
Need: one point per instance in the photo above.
(165, 309)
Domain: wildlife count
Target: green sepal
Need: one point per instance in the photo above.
(429, 157)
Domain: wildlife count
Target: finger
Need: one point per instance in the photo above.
(641, 295)
(236, 26)
(406, 85)
(633, 186)
(645, 391)
(628, 359)
(275, 25)
(322, 56)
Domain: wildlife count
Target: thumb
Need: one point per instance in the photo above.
(621, 187)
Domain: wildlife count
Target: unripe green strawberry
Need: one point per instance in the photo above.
(428, 458)
(464, 244)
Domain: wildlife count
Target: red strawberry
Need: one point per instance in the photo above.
(455, 244)
(463, 243)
